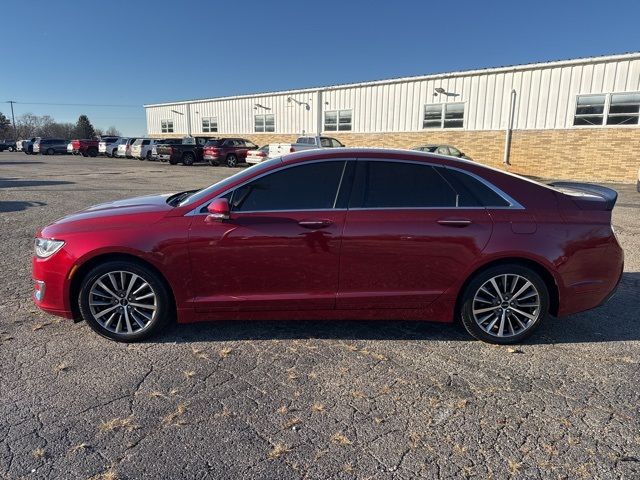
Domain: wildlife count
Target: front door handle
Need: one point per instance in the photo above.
(315, 224)
(455, 222)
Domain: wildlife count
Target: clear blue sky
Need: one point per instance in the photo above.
(135, 52)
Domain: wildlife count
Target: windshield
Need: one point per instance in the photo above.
(249, 172)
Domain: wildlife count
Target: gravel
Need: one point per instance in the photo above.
(311, 399)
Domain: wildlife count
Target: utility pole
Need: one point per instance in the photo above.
(13, 119)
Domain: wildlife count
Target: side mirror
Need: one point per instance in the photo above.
(218, 210)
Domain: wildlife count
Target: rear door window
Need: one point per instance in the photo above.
(311, 186)
(397, 184)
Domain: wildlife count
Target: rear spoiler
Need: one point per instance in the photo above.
(588, 196)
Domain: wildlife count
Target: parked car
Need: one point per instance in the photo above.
(230, 151)
(141, 148)
(188, 152)
(345, 233)
(257, 156)
(107, 145)
(84, 147)
(50, 146)
(441, 150)
(165, 155)
(27, 145)
(303, 143)
(124, 149)
(7, 145)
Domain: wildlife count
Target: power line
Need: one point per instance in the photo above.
(76, 104)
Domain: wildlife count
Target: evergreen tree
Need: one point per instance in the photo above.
(84, 129)
(5, 127)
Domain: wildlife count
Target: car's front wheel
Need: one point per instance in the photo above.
(504, 304)
(124, 301)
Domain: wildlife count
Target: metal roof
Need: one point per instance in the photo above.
(507, 68)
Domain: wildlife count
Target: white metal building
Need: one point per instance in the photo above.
(587, 93)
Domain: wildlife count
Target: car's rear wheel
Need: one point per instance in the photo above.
(504, 304)
(148, 157)
(232, 160)
(188, 159)
(50, 151)
(124, 301)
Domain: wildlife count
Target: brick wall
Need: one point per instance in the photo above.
(590, 154)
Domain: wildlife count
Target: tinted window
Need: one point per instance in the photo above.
(381, 184)
(304, 187)
(471, 191)
(213, 143)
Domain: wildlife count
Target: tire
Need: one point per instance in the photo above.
(510, 314)
(109, 319)
(214, 163)
(85, 154)
(92, 152)
(113, 152)
(51, 151)
(232, 160)
(188, 159)
(148, 156)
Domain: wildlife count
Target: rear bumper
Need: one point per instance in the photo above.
(598, 285)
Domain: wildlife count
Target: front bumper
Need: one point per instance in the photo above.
(52, 283)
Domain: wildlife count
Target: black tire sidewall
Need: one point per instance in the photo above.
(187, 159)
(466, 303)
(158, 285)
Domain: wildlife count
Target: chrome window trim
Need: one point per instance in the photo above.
(513, 204)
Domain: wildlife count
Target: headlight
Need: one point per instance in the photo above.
(46, 247)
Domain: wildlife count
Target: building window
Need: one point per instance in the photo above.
(589, 110)
(166, 126)
(616, 108)
(210, 124)
(335, 120)
(443, 115)
(265, 123)
(624, 109)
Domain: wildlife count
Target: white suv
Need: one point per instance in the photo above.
(108, 146)
(141, 148)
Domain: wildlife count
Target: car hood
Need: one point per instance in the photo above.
(117, 214)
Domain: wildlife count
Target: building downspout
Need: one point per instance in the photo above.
(319, 113)
(188, 119)
(507, 140)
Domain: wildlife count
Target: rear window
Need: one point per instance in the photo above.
(213, 143)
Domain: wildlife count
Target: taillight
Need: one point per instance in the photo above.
(261, 154)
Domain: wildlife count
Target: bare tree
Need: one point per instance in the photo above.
(113, 132)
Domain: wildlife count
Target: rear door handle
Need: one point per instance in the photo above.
(315, 224)
(455, 222)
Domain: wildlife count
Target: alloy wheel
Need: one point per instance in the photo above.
(123, 302)
(506, 305)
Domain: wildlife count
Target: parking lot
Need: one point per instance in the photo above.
(279, 400)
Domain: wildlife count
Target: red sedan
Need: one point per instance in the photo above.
(340, 234)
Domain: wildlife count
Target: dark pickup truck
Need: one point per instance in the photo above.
(188, 152)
